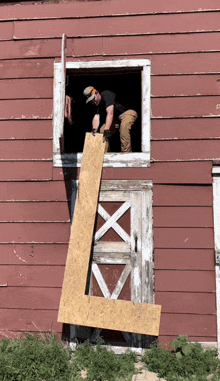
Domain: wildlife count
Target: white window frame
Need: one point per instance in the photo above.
(134, 159)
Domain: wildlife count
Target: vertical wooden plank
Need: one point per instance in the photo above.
(136, 248)
(59, 100)
(63, 89)
(83, 220)
(146, 112)
(147, 247)
(136, 228)
(58, 88)
(216, 211)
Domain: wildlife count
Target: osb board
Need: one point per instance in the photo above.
(119, 315)
(75, 306)
(84, 217)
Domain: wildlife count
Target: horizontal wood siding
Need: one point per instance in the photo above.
(184, 259)
(182, 41)
(33, 254)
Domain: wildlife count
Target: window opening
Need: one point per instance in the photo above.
(126, 86)
(130, 81)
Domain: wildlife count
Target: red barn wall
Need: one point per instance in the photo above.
(181, 40)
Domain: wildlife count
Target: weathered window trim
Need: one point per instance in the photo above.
(134, 159)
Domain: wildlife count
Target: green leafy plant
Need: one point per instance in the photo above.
(44, 358)
(180, 346)
(102, 364)
(187, 361)
(35, 359)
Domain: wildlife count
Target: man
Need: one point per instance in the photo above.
(110, 116)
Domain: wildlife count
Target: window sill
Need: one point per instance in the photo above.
(134, 159)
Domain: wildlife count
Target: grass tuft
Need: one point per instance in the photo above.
(44, 358)
(186, 362)
(35, 359)
(102, 364)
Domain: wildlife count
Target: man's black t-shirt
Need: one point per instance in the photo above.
(108, 98)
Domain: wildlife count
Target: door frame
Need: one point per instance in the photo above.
(145, 282)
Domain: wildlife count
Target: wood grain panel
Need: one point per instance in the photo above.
(185, 150)
(59, 174)
(26, 109)
(26, 150)
(28, 68)
(184, 259)
(187, 302)
(26, 88)
(123, 221)
(165, 173)
(122, 7)
(6, 31)
(160, 173)
(194, 128)
(179, 85)
(183, 238)
(183, 217)
(29, 320)
(33, 276)
(34, 212)
(185, 107)
(37, 298)
(26, 129)
(33, 49)
(33, 191)
(182, 195)
(187, 281)
(164, 340)
(33, 254)
(102, 26)
(181, 173)
(192, 42)
(88, 46)
(186, 63)
(25, 171)
(188, 324)
(111, 280)
(37, 232)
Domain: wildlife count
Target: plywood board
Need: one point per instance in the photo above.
(84, 217)
(119, 315)
(75, 306)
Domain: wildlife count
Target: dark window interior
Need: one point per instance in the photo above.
(127, 86)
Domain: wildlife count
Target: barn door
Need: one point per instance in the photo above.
(121, 258)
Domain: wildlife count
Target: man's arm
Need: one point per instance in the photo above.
(109, 117)
(96, 122)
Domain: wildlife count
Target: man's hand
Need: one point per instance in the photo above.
(94, 131)
(106, 135)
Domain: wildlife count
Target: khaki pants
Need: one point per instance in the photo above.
(127, 120)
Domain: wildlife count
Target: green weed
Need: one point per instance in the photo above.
(186, 362)
(102, 364)
(44, 358)
(35, 359)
